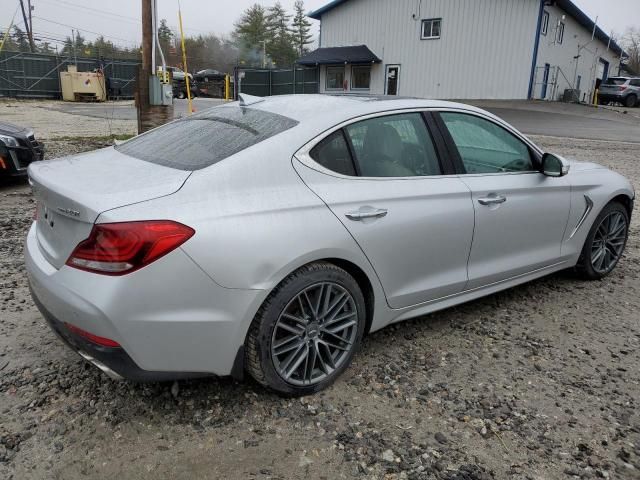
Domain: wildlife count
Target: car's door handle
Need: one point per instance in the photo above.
(492, 200)
(369, 213)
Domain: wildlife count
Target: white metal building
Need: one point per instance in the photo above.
(465, 49)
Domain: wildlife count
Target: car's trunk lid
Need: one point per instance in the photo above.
(72, 192)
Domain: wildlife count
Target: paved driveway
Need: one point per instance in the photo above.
(568, 120)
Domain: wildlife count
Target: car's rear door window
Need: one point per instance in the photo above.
(394, 146)
(204, 139)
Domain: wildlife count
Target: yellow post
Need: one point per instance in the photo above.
(595, 97)
(184, 62)
(6, 35)
(227, 87)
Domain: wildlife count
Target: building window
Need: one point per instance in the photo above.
(335, 78)
(545, 23)
(360, 77)
(431, 28)
(560, 34)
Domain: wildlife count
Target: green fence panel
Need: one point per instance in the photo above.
(36, 75)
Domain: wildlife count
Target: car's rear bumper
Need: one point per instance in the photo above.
(170, 319)
(115, 362)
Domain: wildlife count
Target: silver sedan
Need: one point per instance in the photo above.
(270, 235)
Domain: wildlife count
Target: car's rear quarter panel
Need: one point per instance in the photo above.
(255, 222)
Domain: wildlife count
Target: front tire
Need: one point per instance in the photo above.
(307, 331)
(605, 243)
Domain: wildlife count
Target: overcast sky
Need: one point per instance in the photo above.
(119, 20)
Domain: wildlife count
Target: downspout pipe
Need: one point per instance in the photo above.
(536, 44)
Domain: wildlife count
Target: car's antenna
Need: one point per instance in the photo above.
(246, 100)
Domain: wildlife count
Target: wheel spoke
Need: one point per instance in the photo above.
(334, 345)
(326, 300)
(338, 328)
(299, 324)
(301, 356)
(310, 365)
(335, 308)
(329, 356)
(335, 335)
(308, 301)
(339, 319)
(289, 360)
(287, 345)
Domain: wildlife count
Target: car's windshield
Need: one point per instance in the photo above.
(201, 140)
(615, 81)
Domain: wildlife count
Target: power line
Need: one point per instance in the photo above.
(86, 31)
(93, 10)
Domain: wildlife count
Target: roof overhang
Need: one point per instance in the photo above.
(317, 14)
(583, 19)
(355, 55)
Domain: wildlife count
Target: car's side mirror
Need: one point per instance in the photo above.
(554, 166)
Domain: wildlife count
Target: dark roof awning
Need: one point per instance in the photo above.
(359, 54)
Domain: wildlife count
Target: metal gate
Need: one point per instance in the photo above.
(36, 75)
(266, 82)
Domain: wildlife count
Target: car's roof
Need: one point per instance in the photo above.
(343, 107)
(335, 109)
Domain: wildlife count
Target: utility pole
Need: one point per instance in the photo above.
(30, 19)
(27, 27)
(149, 116)
(73, 47)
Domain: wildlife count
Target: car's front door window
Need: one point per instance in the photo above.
(485, 147)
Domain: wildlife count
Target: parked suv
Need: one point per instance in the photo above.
(18, 148)
(623, 90)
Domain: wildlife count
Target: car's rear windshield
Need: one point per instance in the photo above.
(206, 138)
(615, 81)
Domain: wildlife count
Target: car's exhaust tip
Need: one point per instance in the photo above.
(110, 373)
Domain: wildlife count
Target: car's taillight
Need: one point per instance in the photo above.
(102, 341)
(623, 88)
(121, 248)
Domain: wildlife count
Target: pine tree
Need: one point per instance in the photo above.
(280, 42)
(251, 29)
(301, 28)
(22, 39)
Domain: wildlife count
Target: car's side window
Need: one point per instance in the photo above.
(485, 147)
(333, 153)
(393, 146)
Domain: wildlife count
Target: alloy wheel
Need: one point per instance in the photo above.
(608, 242)
(314, 334)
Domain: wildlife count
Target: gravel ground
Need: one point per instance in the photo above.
(49, 123)
(538, 382)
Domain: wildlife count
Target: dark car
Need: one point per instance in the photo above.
(18, 148)
(211, 83)
(622, 90)
(180, 88)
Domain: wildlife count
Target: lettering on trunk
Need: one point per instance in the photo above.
(68, 211)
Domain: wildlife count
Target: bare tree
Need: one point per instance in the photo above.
(631, 44)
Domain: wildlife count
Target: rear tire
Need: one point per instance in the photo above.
(631, 101)
(297, 344)
(605, 243)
